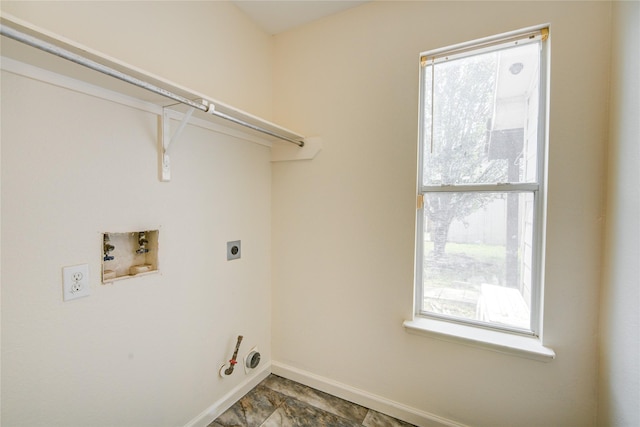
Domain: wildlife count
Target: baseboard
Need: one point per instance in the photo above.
(361, 397)
(214, 411)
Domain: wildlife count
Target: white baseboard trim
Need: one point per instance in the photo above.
(361, 397)
(214, 411)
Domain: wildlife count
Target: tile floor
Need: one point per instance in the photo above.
(279, 402)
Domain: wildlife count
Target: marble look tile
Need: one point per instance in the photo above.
(294, 413)
(376, 419)
(278, 419)
(251, 410)
(317, 398)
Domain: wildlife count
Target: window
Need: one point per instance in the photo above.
(481, 182)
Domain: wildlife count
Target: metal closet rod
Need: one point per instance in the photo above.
(96, 66)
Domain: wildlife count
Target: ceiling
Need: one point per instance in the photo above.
(276, 16)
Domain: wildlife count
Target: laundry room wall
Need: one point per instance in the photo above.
(143, 351)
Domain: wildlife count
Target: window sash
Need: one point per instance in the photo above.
(478, 47)
(500, 187)
(478, 323)
(538, 188)
(533, 329)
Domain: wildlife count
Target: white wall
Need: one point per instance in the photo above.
(144, 351)
(343, 224)
(619, 381)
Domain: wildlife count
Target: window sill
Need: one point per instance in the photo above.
(501, 342)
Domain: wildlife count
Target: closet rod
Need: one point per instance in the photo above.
(207, 107)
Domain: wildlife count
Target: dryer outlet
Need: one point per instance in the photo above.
(251, 360)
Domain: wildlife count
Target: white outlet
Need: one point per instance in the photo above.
(75, 282)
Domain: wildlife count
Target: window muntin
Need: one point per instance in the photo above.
(481, 163)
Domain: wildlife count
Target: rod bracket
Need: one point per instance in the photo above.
(166, 139)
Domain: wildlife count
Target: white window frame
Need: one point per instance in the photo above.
(527, 343)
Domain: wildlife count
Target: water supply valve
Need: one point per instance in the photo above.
(227, 368)
(107, 248)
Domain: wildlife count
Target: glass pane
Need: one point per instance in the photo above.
(478, 256)
(481, 118)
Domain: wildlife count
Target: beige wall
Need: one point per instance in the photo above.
(339, 229)
(209, 46)
(145, 351)
(619, 380)
(343, 224)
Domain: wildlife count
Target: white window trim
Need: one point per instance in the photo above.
(496, 339)
(529, 347)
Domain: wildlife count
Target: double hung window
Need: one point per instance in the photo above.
(481, 182)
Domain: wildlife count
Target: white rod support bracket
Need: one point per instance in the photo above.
(166, 140)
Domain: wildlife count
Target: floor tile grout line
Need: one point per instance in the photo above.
(323, 393)
(275, 407)
(360, 423)
(294, 395)
(331, 413)
(272, 412)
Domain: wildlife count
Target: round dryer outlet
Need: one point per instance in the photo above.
(251, 360)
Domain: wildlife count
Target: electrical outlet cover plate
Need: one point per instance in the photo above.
(75, 282)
